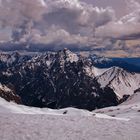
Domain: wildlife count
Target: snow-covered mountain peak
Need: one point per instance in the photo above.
(114, 72)
(121, 81)
(67, 55)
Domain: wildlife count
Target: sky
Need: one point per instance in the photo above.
(77, 24)
(118, 5)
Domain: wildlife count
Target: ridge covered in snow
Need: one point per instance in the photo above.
(121, 81)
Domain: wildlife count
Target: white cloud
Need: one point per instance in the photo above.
(14, 12)
(118, 30)
(128, 27)
(74, 17)
(65, 22)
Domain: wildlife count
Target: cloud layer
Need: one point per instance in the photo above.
(66, 22)
(128, 27)
(75, 17)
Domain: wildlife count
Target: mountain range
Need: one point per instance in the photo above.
(64, 79)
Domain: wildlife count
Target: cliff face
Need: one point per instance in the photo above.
(9, 95)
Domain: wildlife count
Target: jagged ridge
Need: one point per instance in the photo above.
(62, 79)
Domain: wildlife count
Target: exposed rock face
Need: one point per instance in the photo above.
(59, 80)
(8, 94)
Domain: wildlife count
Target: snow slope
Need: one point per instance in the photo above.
(66, 127)
(35, 127)
(129, 109)
(25, 123)
(98, 72)
(11, 107)
(135, 98)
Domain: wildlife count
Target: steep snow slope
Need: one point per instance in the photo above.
(121, 81)
(99, 71)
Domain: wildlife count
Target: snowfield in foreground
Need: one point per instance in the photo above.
(52, 127)
(19, 122)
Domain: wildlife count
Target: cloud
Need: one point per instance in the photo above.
(75, 17)
(132, 5)
(17, 14)
(119, 30)
(128, 27)
(71, 23)
(13, 13)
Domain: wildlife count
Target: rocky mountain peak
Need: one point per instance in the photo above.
(67, 55)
